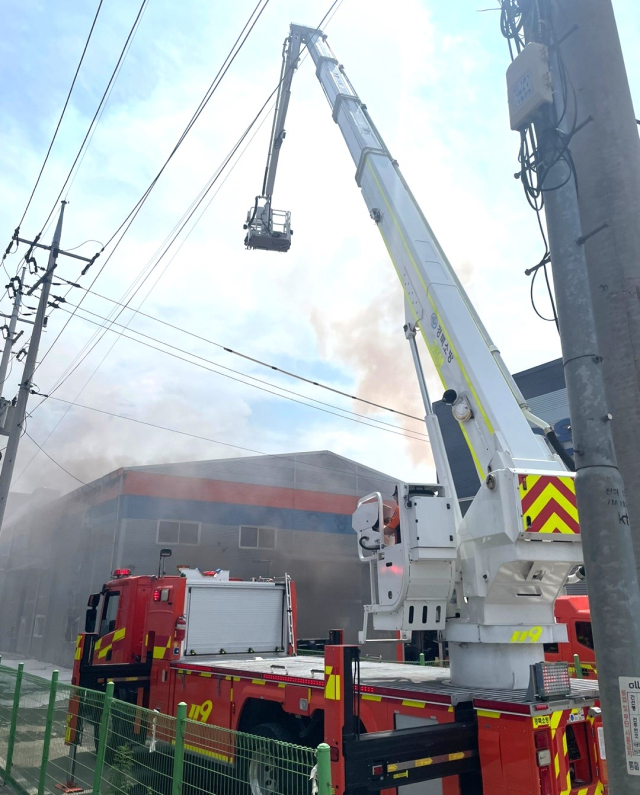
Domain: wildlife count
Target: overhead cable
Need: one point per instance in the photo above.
(245, 356)
(255, 386)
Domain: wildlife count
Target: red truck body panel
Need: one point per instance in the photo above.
(524, 748)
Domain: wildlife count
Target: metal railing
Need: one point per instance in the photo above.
(57, 737)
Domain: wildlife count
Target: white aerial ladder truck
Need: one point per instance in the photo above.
(487, 581)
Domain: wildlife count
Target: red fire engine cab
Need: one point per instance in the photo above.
(574, 612)
(228, 649)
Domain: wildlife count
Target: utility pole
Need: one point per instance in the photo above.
(614, 592)
(19, 413)
(606, 153)
(6, 353)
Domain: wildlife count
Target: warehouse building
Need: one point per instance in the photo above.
(260, 516)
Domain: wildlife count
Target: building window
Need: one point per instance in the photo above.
(178, 533)
(38, 626)
(257, 537)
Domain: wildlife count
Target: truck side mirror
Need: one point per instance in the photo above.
(94, 600)
(90, 620)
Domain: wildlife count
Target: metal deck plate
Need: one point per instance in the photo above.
(418, 679)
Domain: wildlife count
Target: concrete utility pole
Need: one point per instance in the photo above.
(614, 592)
(6, 353)
(606, 153)
(15, 432)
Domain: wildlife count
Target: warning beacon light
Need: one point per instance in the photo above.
(118, 573)
(549, 680)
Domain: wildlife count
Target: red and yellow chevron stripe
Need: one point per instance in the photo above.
(548, 504)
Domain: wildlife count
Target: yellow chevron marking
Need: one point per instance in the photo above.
(548, 493)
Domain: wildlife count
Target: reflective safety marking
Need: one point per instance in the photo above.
(368, 697)
(541, 720)
(205, 752)
(429, 760)
(548, 504)
(530, 635)
(159, 651)
(103, 652)
(332, 688)
(201, 712)
(486, 713)
(414, 704)
(258, 682)
(119, 634)
(206, 675)
(98, 644)
(434, 352)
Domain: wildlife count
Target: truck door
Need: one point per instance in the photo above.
(108, 628)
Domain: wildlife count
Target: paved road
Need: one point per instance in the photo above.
(37, 669)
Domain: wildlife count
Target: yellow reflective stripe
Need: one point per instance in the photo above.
(487, 713)
(460, 365)
(415, 704)
(98, 644)
(332, 688)
(258, 682)
(119, 634)
(368, 697)
(424, 287)
(103, 652)
(158, 652)
(476, 461)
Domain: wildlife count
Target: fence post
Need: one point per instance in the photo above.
(14, 718)
(421, 658)
(48, 726)
(578, 666)
(102, 739)
(178, 758)
(324, 770)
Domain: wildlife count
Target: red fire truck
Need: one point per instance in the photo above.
(574, 612)
(227, 648)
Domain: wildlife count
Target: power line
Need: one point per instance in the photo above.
(255, 386)
(52, 431)
(284, 457)
(238, 372)
(106, 92)
(331, 11)
(128, 221)
(73, 82)
(241, 355)
(58, 464)
(177, 229)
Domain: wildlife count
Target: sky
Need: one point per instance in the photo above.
(331, 310)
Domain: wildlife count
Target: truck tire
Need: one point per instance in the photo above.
(264, 764)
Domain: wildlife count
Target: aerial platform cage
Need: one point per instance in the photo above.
(267, 229)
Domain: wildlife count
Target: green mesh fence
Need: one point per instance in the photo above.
(54, 736)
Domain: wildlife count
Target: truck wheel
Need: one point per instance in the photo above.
(266, 771)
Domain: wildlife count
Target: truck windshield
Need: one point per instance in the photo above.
(109, 612)
(584, 633)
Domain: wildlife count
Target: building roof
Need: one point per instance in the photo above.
(318, 470)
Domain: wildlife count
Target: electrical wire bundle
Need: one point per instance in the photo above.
(539, 158)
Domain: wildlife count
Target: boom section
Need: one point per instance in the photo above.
(482, 400)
